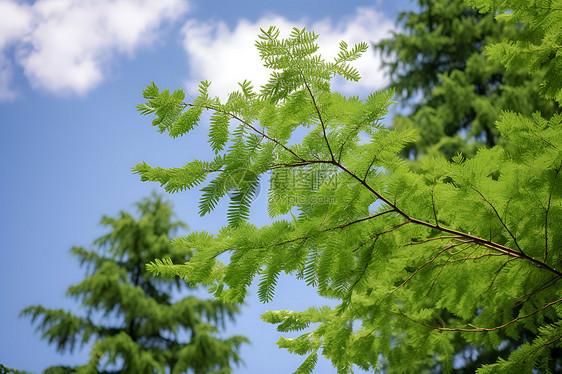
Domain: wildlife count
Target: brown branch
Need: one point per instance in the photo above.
(494, 246)
(427, 263)
(298, 164)
(477, 240)
(499, 218)
(443, 267)
(436, 238)
(319, 116)
(498, 273)
(433, 205)
(477, 257)
(360, 276)
(377, 155)
(480, 329)
(340, 227)
(366, 185)
(359, 220)
(546, 215)
(546, 344)
(382, 233)
(234, 116)
(346, 139)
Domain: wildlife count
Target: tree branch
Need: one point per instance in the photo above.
(382, 233)
(234, 116)
(436, 238)
(546, 215)
(433, 205)
(499, 218)
(319, 117)
(428, 262)
(477, 240)
(481, 329)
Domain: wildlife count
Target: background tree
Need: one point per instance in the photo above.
(448, 87)
(132, 317)
(6, 370)
(461, 250)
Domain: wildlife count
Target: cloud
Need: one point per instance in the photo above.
(65, 46)
(16, 22)
(225, 56)
(6, 74)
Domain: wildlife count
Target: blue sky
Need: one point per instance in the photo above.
(71, 73)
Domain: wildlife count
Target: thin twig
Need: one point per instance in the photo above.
(234, 116)
(499, 218)
(319, 117)
(498, 273)
(436, 238)
(360, 220)
(382, 233)
(477, 257)
(443, 267)
(546, 344)
(339, 227)
(433, 205)
(427, 263)
(480, 329)
(298, 164)
(546, 215)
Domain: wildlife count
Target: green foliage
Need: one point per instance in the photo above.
(6, 370)
(464, 251)
(540, 47)
(130, 317)
(455, 92)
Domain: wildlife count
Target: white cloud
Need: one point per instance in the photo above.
(6, 73)
(16, 22)
(64, 46)
(226, 57)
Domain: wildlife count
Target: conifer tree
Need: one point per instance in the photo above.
(132, 318)
(462, 250)
(7, 370)
(449, 89)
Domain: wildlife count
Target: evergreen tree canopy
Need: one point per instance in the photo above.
(468, 249)
(132, 317)
(438, 63)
